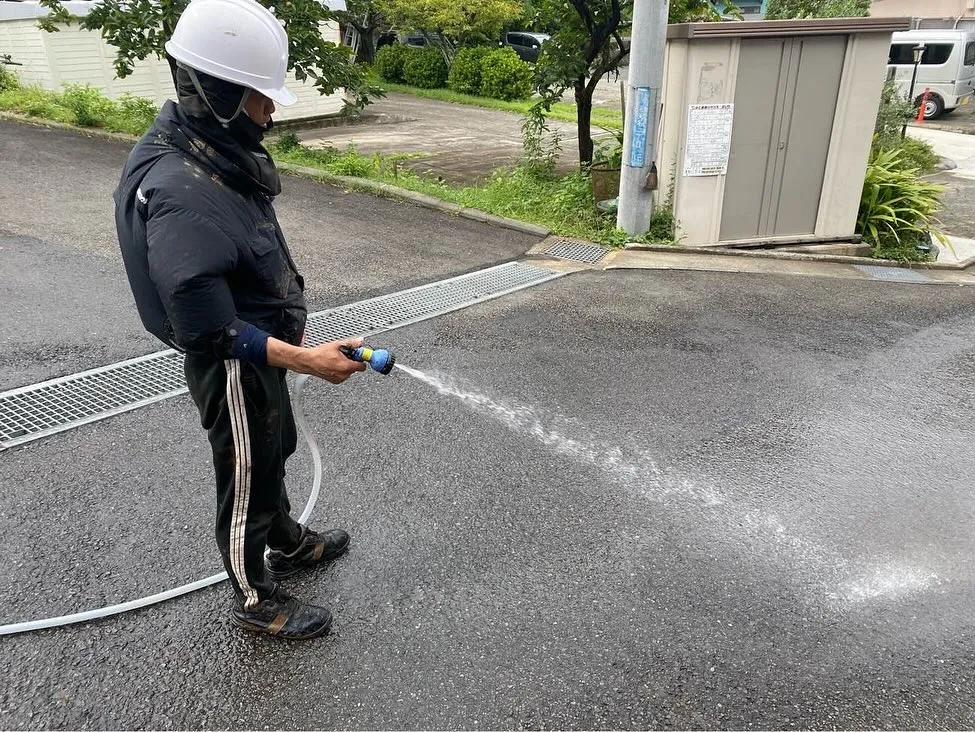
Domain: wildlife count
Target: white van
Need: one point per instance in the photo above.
(947, 67)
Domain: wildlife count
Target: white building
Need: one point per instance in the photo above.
(75, 56)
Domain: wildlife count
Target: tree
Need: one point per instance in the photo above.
(452, 24)
(140, 28)
(798, 9)
(700, 11)
(588, 43)
(367, 18)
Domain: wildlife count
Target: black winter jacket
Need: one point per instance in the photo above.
(202, 247)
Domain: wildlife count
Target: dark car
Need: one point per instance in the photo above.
(414, 39)
(527, 45)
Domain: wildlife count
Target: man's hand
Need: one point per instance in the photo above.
(325, 361)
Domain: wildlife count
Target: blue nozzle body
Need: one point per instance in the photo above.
(379, 359)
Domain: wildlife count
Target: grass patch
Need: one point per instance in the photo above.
(610, 118)
(563, 204)
(80, 105)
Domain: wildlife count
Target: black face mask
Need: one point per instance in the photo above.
(239, 139)
(246, 131)
(221, 100)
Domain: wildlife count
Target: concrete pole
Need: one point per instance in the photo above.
(646, 74)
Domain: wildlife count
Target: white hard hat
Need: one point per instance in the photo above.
(239, 41)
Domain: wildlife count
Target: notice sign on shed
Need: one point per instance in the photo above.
(708, 139)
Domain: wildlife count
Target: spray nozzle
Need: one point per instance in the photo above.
(379, 359)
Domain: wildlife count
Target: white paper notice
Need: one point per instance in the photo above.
(708, 139)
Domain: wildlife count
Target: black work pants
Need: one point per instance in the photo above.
(246, 410)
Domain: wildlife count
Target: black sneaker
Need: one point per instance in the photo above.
(283, 616)
(314, 548)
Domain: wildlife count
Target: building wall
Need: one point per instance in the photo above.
(75, 56)
(925, 9)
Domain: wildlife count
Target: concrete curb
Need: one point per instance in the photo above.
(801, 257)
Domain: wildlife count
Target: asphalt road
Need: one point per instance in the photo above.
(638, 499)
(74, 312)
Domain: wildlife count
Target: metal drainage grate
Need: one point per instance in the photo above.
(52, 406)
(367, 317)
(585, 253)
(39, 410)
(892, 274)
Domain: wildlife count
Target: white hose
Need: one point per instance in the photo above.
(125, 607)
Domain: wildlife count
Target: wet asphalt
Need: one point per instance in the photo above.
(640, 499)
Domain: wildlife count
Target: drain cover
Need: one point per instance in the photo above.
(892, 274)
(585, 253)
(368, 317)
(54, 406)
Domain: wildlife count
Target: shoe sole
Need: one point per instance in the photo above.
(263, 630)
(276, 575)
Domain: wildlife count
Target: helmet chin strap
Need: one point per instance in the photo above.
(199, 90)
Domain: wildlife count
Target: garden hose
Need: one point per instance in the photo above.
(104, 612)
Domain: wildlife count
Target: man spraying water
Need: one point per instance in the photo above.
(213, 277)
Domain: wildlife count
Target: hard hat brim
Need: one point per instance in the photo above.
(283, 97)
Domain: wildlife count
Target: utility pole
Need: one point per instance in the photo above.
(646, 74)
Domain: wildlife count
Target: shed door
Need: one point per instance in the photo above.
(785, 102)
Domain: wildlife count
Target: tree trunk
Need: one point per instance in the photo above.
(367, 46)
(583, 120)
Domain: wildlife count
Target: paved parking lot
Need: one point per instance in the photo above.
(638, 499)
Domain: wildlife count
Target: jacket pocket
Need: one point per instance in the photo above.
(270, 266)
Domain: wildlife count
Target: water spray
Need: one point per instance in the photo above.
(379, 359)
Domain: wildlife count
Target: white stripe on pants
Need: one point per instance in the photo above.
(242, 479)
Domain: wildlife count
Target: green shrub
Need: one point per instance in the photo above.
(505, 76)
(133, 115)
(8, 79)
(90, 107)
(663, 226)
(287, 141)
(897, 208)
(353, 164)
(541, 144)
(82, 105)
(389, 62)
(894, 112)
(465, 72)
(36, 102)
(425, 68)
(918, 155)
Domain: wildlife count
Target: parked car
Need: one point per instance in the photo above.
(414, 39)
(527, 45)
(419, 39)
(947, 68)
